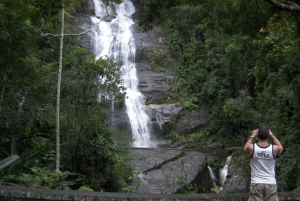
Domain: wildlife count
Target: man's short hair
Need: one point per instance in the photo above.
(263, 132)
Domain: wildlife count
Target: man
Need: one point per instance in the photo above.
(263, 184)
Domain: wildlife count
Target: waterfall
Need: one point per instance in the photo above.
(212, 177)
(115, 40)
(223, 174)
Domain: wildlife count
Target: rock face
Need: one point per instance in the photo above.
(191, 122)
(83, 24)
(159, 170)
(164, 170)
(155, 86)
(160, 115)
(119, 119)
(169, 170)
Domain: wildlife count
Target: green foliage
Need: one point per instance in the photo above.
(159, 61)
(42, 177)
(297, 189)
(28, 82)
(286, 177)
(191, 103)
(85, 188)
(239, 60)
(238, 114)
(8, 161)
(202, 135)
(189, 189)
(174, 136)
(87, 142)
(27, 148)
(276, 76)
(137, 181)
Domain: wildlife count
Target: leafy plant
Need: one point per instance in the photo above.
(191, 103)
(10, 161)
(201, 135)
(43, 177)
(85, 188)
(159, 61)
(137, 180)
(174, 136)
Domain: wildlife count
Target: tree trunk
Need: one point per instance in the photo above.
(57, 165)
(5, 78)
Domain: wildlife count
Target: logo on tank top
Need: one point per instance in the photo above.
(263, 155)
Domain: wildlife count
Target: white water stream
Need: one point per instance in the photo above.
(115, 40)
(222, 176)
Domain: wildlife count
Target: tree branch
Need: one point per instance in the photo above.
(103, 19)
(106, 18)
(286, 5)
(68, 34)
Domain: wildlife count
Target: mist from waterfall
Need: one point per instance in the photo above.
(115, 40)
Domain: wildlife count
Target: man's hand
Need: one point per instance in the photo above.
(278, 148)
(270, 133)
(254, 133)
(248, 148)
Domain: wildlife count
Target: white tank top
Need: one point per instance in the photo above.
(262, 164)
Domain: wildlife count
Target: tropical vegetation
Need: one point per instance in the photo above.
(240, 61)
(237, 59)
(91, 156)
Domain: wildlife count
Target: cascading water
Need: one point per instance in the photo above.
(223, 174)
(115, 40)
(212, 177)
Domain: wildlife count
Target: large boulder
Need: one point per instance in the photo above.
(191, 122)
(163, 113)
(164, 170)
(160, 115)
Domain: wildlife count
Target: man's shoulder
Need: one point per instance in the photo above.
(250, 149)
(277, 149)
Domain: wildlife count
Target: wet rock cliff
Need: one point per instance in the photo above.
(162, 170)
(154, 85)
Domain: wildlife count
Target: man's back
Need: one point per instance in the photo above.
(263, 185)
(263, 165)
